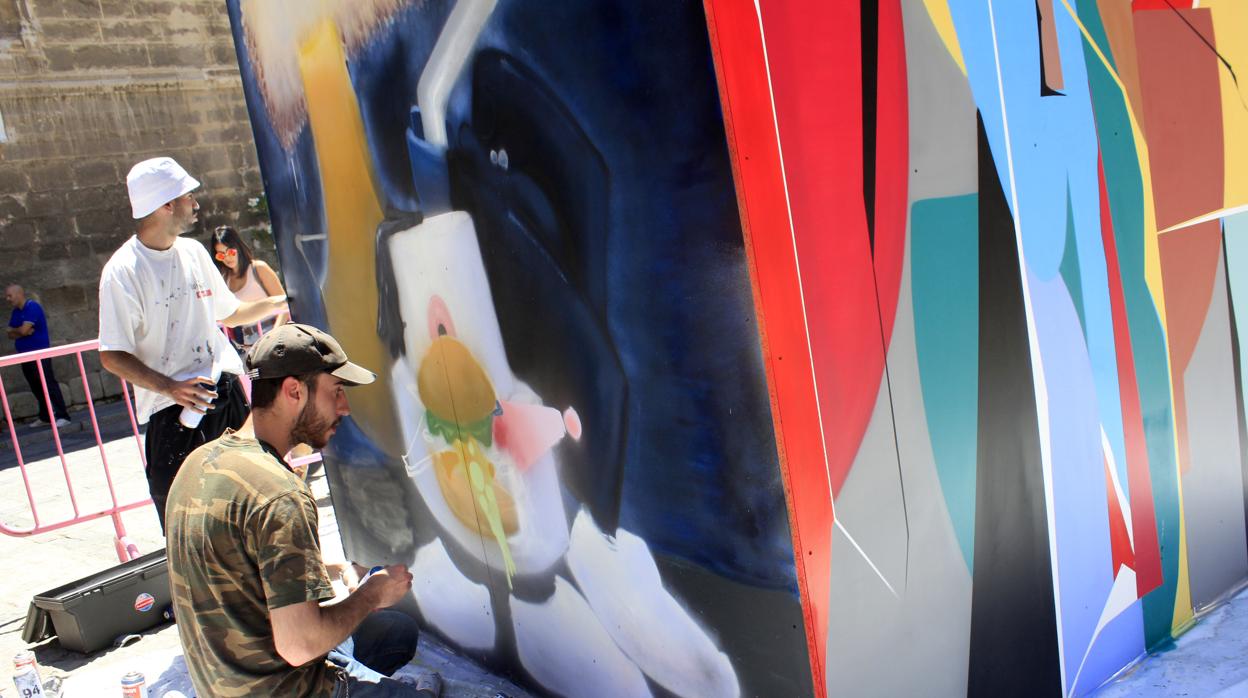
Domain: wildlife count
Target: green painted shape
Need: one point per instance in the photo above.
(1124, 185)
(944, 276)
(1069, 268)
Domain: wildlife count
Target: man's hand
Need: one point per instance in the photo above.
(192, 393)
(390, 584)
(303, 632)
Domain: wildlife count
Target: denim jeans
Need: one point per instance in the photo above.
(383, 643)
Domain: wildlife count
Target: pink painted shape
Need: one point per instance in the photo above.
(527, 432)
(439, 314)
(572, 421)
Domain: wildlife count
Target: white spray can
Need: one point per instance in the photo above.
(190, 418)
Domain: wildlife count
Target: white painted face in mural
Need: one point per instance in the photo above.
(479, 441)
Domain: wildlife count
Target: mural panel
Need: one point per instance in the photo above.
(771, 348)
(523, 216)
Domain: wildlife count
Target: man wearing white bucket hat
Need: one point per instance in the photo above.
(160, 302)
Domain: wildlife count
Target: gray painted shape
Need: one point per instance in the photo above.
(918, 644)
(871, 504)
(943, 148)
(1213, 484)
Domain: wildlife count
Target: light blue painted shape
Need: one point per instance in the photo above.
(1080, 501)
(944, 274)
(1054, 151)
(1120, 643)
(1236, 248)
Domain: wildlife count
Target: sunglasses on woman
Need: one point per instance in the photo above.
(229, 253)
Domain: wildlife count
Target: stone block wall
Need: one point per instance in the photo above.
(88, 88)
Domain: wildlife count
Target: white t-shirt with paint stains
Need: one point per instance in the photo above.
(163, 306)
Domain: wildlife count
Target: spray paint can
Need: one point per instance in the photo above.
(26, 675)
(370, 573)
(24, 658)
(134, 685)
(191, 418)
(26, 679)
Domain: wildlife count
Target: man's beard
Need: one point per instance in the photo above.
(312, 429)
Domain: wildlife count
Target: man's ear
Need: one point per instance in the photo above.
(292, 388)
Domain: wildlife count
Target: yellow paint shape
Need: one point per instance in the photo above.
(1183, 589)
(352, 213)
(1230, 19)
(942, 19)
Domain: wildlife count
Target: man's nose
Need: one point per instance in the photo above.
(344, 409)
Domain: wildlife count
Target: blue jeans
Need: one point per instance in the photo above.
(383, 643)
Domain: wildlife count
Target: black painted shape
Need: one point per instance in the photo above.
(1013, 618)
(1239, 393)
(870, 46)
(540, 220)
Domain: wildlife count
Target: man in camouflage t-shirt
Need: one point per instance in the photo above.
(244, 556)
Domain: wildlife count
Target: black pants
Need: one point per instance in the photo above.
(169, 443)
(54, 389)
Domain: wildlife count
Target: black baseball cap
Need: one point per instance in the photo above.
(294, 350)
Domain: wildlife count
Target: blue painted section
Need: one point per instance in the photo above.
(1052, 143)
(944, 271)
(1121, 642)
(1080, 508)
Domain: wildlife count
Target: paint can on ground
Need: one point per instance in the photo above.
(24, 658)
(134, 685)
(26, 679)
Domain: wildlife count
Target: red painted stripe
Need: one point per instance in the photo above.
(1139, 481)
(748, 119)
(815, 59)
(1168, 5)
(1119, 539)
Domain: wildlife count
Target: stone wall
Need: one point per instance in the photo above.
(87, 88)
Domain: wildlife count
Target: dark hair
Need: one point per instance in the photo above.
(264, 390)
(229, 237)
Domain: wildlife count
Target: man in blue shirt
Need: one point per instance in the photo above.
(28, 328)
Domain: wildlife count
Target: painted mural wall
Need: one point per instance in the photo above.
(996, 248)
(772, 348)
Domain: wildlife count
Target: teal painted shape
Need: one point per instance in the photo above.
(1069, 268)
(1124, 185)
(1235, 237)
(944, 276)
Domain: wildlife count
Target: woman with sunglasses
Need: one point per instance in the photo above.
(249, 278)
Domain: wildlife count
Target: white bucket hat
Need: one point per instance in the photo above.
(154, 183)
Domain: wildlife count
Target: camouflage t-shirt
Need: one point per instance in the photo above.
(242, 541)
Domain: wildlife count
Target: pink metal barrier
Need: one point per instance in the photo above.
(126, 550)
